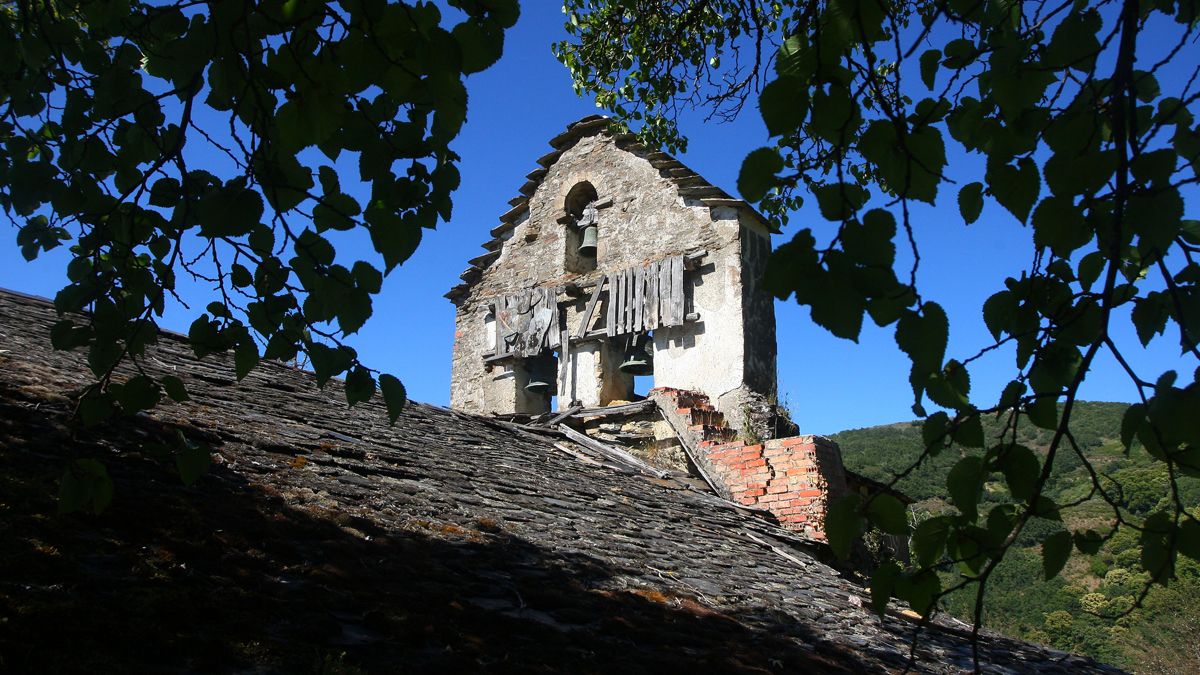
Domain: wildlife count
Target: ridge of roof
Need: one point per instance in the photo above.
(447, 541)
(688, 183)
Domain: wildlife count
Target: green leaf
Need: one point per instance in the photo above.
(1189, 538)
(1088, 541)
(1150, 316)
(85, 486)
(970, 201)
(883, 584)
(840, 201)
(964, 483)
(1056, 549)
(360, 385)
(1043, 412)
(919, 591)
(929, 540)
(934, 432)
(174, 388)
(245, 358)
(999, 313)
(930, 61)
(139, 393)
(784, 105)
(1058, 224)
(1021, 469)
(758, 172)
(95, 407)
(844, 524)
(1015, 188)
(923, 337)
(192, 461)
(481, 45)
(1157, 554)
(1011, 396)
(888, 514)
(230, 211)
(328, 361)
(394, 396)
(968, 432)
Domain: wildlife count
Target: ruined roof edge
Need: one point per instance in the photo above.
(698, 188)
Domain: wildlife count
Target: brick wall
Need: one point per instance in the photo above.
(795, 478)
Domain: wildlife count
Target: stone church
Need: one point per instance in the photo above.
(619, 268)
(616, 261)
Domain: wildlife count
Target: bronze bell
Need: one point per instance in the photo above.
(590, 236)
(639, 356)
(541, 375)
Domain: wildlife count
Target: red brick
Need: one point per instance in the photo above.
(777, 489)
(747, 501)
(794, 441)
(810, 493)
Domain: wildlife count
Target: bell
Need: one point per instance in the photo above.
(588, 247)
(541, 375)
(639, 357)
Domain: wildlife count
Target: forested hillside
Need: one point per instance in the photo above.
(1090, 607)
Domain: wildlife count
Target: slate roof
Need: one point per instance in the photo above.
(690, 184)
(323, 538)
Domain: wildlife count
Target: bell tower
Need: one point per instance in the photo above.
(615, 262)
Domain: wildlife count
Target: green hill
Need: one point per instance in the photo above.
(1091, 607)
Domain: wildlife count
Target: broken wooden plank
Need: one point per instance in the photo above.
(610, 326)
(683, 435)
(560, 417)
(614, 410)
(612, 453)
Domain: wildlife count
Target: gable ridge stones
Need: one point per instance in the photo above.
(689, 185)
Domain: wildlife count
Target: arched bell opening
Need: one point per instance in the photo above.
(537, 383)
(582, 228)
(638, 361)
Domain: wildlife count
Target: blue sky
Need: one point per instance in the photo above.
(829, 384)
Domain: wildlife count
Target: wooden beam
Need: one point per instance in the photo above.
(613, 454)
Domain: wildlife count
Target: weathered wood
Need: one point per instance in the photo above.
(560, 417)
(591, 307)
(566, 389)
(610, 325)
(630, 286)
(664, 292)
(677, 290)
(639, 297)
(652, 272)
(682, 435)
(610, 452)
(615, 410)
